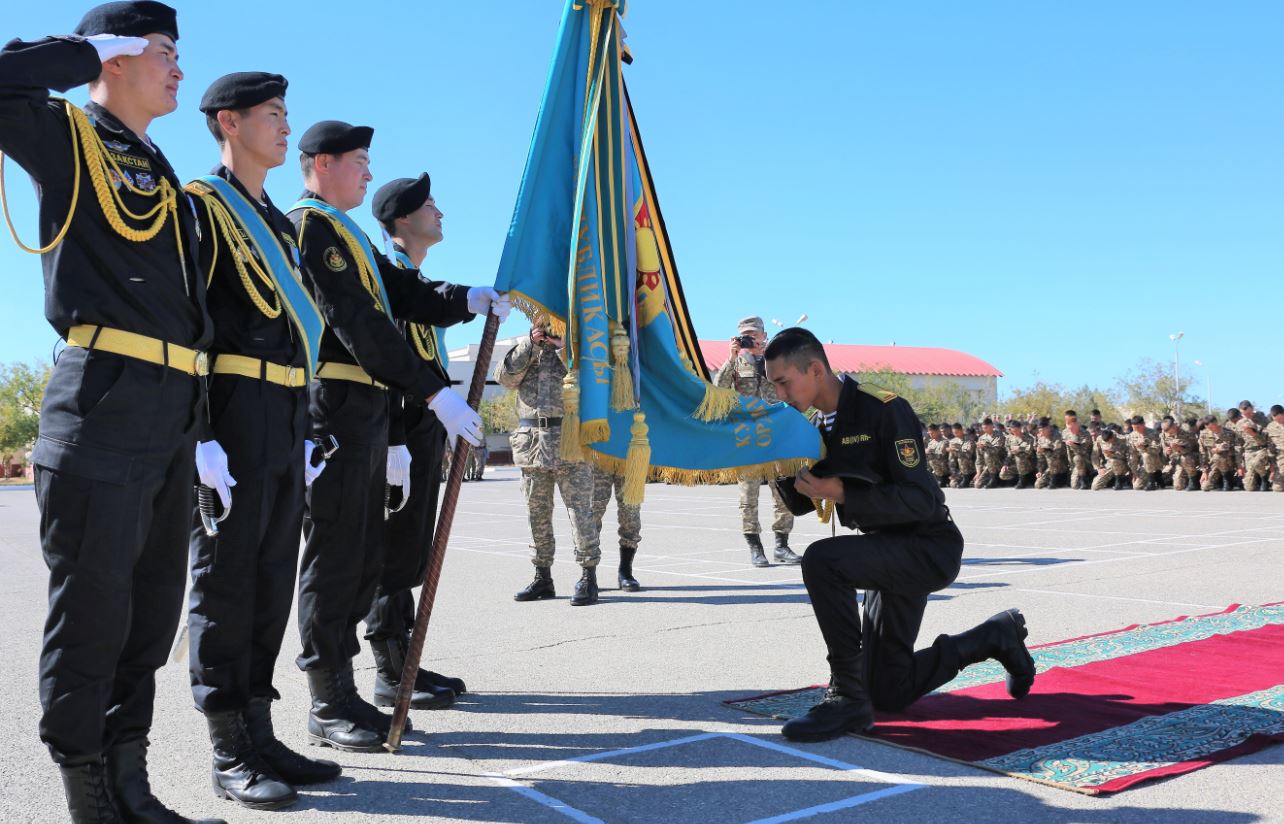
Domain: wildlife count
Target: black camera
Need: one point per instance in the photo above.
(746, 342)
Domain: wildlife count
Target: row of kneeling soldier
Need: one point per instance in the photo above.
(211, 335)
(1244, 451)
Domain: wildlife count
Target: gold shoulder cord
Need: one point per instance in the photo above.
(100, 164)
(357, 254)
(242, 257)
(424, 340)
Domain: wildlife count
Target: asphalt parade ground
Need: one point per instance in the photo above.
(612, 712)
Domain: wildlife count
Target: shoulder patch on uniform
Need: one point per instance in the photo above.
(884, 395)
(334, 259)
(907, 451)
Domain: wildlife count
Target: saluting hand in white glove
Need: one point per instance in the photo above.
(460, 419)
(398, 473)
(211, 468)
(483, 298)
(110, 46)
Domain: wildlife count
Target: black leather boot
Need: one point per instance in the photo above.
(991, 481)
(362, 709)
(757, 556)
(88, 798)
(295, 769)
(1003, 639)
(625, 577)
(1151, 483)
(1192, 485)
(540, 588)
(782, 553)
(845, 708)
(1227, 486)
(1020, 482)
(1119, 483)
(390, 660)
(428, 677)
(127, 778)
(585, 588)
(331, 722)
(238, 772)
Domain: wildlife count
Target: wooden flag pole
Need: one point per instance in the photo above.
(410, 671)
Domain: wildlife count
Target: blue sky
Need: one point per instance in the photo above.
(1054, 188)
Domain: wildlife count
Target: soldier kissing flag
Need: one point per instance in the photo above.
(587, 252)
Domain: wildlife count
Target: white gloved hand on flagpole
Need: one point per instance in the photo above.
(483, 298)
(460, 419)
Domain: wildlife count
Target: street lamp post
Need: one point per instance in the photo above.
(1208, 377)
(1177, 369)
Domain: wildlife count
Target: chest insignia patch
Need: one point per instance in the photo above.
(907, 452)
(334, 259)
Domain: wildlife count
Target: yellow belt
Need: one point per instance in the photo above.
(140, 347)
(292, 376)
(347, 372)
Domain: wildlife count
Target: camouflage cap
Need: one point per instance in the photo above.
(751, 324)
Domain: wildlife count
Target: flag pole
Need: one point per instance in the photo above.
(410, 671)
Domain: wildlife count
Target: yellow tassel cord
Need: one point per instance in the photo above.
(225, 225)
(637, 463)
(570, 449)
(824, 509)
(537, 313)
(101, 167)
(718, 403)
(355, 251)
(621, 376)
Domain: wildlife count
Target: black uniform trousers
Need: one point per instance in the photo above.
(343, 525)
(115, 465)
(408, 534)
(897, 570)
(243, 580)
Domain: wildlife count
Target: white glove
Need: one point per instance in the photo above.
(211, 468)
(398, 473)
(482, 298)
(460, 419)
(310, 472)
(110, 46)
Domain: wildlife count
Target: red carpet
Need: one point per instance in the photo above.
(1108, 711)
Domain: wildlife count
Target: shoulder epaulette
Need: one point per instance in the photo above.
(884, 395)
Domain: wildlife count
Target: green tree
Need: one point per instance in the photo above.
(22, 389)
(1151, 389)
(500, 414)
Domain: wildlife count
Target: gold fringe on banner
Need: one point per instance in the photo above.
(595, 431)
(638, 462)
(718, 403)
(570, 449)
(621, 377)
(537, 313)
(768, 472)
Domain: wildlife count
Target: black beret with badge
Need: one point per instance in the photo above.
(242, 90)
(335, 137)
(398, 198)
(130, 19)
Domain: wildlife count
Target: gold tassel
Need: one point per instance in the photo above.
(595, 431)
(638, 462)
(570, 449)
(824, 509)
(717, 404)
(621, 376)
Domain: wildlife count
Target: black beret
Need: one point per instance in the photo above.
(400, 197)
(1138, 419)
(1045, 421)
(242, 90)
(989, 421)
(932, 426)
(335, 137)
(129, 19)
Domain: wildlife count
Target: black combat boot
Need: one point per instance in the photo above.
(1192, 485)
(625, 577)
(128, 784)
(991, 481)
(585, 588)
(362, 709)
(295, 769)
(757, 556)
(331, 722)
(783, 554)
(1227, 484)
(88, 798)
(239, 772)
(1120, 484)
(1003, 639)
(845, 708)
(436, 679)
(390, 660)
(1020, 482)
(1150, 486)
(540, 588)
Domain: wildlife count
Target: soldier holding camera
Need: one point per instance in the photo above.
(744, 371)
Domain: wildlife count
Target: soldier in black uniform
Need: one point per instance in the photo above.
(875, 477)
(114, 462)
(406, 210)
(360, 292)
(243, 579)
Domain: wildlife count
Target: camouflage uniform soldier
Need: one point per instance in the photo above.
(1078, 452)
(629, 516)
(744, 371)
(935, 448)
(1218, 446)
(1181, 449)
(1052, 451)
(1257, 455)
(477, 457)
(1114, 454)
(1275, 432)
(989, 453)
(1148, 456)
(963, 450)
(1231, 428)
(1021, 452)
(534, 368)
